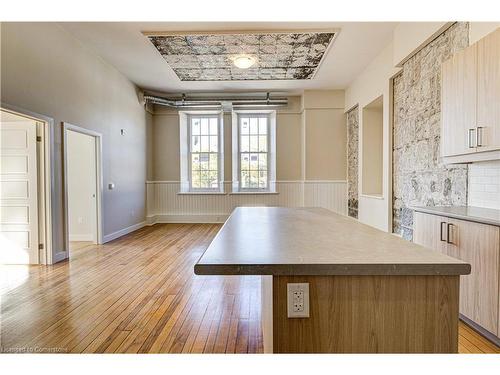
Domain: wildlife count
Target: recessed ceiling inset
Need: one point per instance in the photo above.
(211, 57)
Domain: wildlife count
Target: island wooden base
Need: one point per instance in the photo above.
(364, 314)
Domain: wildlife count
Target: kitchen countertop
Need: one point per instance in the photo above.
(470, 213)
(315, 241)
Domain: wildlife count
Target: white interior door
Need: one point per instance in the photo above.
(18, 192)
(82, 186)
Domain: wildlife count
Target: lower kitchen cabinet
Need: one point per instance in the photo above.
(477, 244)
(430, 231)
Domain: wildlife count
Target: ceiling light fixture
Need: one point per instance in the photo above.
(243, 61)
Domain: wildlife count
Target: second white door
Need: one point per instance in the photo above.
(82, 183)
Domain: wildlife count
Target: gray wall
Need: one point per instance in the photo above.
(418, 176)
(47, 71)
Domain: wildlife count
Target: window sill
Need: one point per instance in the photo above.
(201, 193)
(253, 193)
(372, 196)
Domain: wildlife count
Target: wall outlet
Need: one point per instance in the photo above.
(298, 300)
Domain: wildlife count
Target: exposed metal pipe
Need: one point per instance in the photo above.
(216, 102)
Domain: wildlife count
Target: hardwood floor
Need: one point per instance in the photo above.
(469, 341)
(138, 294)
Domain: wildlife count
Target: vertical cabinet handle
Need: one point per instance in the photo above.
(448, 231)
(442, 232)
(479, 136)
(472, 135)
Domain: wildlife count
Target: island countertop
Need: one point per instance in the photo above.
(315, 241)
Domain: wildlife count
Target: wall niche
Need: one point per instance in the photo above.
(372, 149)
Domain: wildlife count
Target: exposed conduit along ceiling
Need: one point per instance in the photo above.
(223, 102)
(274, 55)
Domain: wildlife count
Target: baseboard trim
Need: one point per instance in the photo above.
(476, 327)
(181, 219)
(122, 232)
(81, 237)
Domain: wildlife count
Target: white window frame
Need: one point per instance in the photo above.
(185, 151)
(271, 151)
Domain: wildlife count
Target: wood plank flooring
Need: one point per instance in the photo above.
(138, 294)
(469, 341)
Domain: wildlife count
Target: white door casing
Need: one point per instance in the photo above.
(18, 193)
(99, 185)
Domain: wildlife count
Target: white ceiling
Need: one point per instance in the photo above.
(123, 45)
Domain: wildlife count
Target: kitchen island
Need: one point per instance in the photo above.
(369, 291)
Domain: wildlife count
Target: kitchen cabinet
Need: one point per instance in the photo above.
(430, 231)
(470, 93)
(474, 243)
(488, 92)
(458, 102)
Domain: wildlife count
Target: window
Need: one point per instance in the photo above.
(253, 151)
(204, 152)
(254, 143)
(201, 152)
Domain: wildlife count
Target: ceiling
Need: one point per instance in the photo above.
(123, 45)
(274, 56)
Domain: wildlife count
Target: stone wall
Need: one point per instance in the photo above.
(418, 176)
(352, 161)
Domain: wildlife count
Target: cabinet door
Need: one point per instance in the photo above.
(478, 244)
(488, 92)
(430, 231)
(458, 103)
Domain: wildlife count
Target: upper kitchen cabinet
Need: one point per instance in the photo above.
(470, 103)
(488, 92)
(458, 102)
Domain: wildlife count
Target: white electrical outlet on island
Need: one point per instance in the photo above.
(298, 300)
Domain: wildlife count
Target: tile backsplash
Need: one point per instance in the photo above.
(484, 184)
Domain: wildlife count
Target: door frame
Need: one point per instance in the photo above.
(99, 179)
(45, 166)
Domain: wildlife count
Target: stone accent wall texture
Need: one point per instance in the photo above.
(352, 161)
(418, 176)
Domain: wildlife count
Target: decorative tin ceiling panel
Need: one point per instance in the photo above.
(279, 56)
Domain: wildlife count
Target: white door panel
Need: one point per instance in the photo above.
(20, 238)
(14, 164)
(14, 215)
(18, 193)
(14, 190)
(14, 139)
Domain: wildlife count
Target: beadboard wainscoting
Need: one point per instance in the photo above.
(166, 205)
